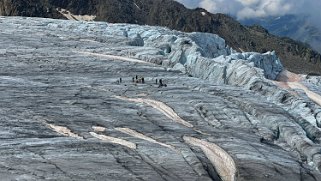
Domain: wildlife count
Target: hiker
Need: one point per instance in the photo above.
(136, 77)
(143, 80)
(133, 79)
(160, 83)
(120, 80)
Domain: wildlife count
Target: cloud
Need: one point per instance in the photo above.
(242, 9)
(256, 8)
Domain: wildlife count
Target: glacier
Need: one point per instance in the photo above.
(224, 115)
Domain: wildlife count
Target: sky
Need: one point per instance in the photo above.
(243, 9)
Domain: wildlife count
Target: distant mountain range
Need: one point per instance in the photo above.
(293, 26)
(294, 55)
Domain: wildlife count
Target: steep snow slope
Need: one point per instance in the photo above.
(66, 115)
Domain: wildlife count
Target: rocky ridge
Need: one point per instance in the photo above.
(222, 116)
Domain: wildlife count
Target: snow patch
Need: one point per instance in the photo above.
(143, 137)
(63, 130)
(312, 95)
(71, 16)
(98, 128)
(114, 140)
(221, 160)
(114, 57)
(163, 108)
